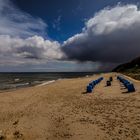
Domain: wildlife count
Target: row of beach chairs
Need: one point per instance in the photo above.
(92, 84)
(127, 84)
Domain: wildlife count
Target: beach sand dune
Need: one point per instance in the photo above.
(62, 110)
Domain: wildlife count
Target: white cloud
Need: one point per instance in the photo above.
(33, 49)
(15, 22)
(20, 38)
(109, 20)
(57, 22)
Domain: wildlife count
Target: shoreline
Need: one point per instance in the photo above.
(24, 81)
(46, 83)
(36, 84)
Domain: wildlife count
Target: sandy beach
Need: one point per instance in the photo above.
(61, 110)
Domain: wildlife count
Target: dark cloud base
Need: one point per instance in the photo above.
(112, 37)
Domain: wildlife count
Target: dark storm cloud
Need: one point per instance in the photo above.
(111, 36)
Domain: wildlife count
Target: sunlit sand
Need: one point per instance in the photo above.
(62, 110)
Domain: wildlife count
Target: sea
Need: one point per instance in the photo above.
(26, 79)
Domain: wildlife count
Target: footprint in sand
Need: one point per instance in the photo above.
(17, 134)
(2, 135)
(16, 122)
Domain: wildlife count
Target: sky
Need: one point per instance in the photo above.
(74, 35)
(65, 17)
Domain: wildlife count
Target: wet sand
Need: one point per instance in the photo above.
(62, 110)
